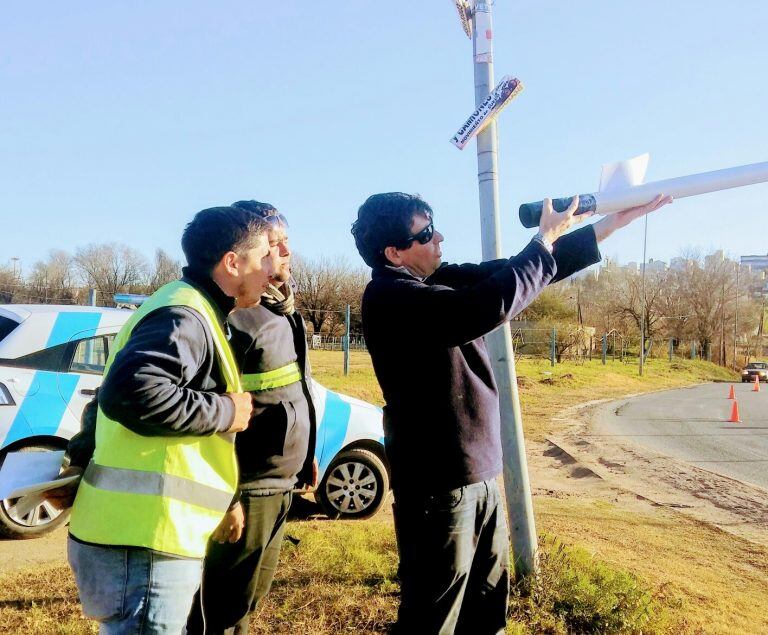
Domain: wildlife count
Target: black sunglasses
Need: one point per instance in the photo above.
(422, 237)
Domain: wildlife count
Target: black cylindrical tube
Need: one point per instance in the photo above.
(530, 213)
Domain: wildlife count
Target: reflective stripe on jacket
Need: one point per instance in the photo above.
(279, 445)
(268, 380)
(166, 493)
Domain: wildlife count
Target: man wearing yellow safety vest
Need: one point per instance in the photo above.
(276, 452)
(164, 472)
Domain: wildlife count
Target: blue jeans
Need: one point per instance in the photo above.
(454, 561)
(134, 590)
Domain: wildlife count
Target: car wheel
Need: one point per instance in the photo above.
(40, 520)
(355, 485)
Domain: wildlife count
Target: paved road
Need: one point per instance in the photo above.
(691, 424)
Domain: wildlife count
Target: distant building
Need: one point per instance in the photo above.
(656, 266)
(755, 263)
(715, 258)
(680, 264)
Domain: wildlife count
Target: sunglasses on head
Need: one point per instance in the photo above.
(422, 237)
(276, 220)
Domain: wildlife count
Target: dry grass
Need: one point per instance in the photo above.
(665, 573)
(711, 581)
(340, 577)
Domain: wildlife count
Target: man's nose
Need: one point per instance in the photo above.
(284, 251)
(439, 237)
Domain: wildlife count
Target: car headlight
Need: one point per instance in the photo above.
(745, 372)
(5, 397)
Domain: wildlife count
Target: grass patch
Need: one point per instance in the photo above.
(708, 580)
(341, 577)
(576, 593)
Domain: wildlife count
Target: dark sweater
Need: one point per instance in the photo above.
(277, 449)
(441, 418)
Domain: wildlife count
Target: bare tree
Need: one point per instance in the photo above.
(54, 279)
(707, 288)
(165, 270)
(8, 285)
(111, 268)
(325, 287)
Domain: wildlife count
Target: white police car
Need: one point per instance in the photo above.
(51, 361)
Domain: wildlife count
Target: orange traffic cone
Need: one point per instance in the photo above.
(731, 393)
(756, 387)
(735, 413)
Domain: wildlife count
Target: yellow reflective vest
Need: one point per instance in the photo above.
(163, 493)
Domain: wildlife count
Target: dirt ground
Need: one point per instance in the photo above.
(577, 460)
(21, 554)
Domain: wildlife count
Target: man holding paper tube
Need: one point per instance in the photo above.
(424, 323)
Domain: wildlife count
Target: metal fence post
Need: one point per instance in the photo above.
(671, 349)
(346, 342)
(693, 349)
(91, 297)
(605, 347)
(553, 347)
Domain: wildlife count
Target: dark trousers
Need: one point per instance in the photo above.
(454, 562)
(237, 576)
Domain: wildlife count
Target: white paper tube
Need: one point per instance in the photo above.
(681, 187)
(612, 201)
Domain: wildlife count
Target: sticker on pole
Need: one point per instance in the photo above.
(483, 33)
(506, 90)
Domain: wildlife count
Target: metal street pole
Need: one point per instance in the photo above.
(642, 302)
(516, 484)
(736, 318)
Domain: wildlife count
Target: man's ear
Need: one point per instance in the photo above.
(229, 262)
(393, 255)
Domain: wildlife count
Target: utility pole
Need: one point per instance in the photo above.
(642, 301)
(736, 318)
(516, 484)
(723, 361)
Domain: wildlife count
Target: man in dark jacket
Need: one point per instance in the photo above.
(276, 453)
(139, 527)
(424, 323)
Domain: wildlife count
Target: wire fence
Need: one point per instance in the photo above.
(341, 331)
(548, 344)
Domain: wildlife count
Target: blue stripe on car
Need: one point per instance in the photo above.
(334, 423)
(42, 412)
(70, 323)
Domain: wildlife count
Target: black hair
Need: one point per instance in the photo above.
(217, 230)
(384, 220)
(262, 210)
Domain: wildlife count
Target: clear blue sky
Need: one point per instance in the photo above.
(119, 120)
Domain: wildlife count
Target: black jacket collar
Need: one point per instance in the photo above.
(391, 272)
(220, 300)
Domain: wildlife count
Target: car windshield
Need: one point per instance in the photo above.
(758, 365)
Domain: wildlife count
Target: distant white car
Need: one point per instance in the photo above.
(754, 370)
(51, 361)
